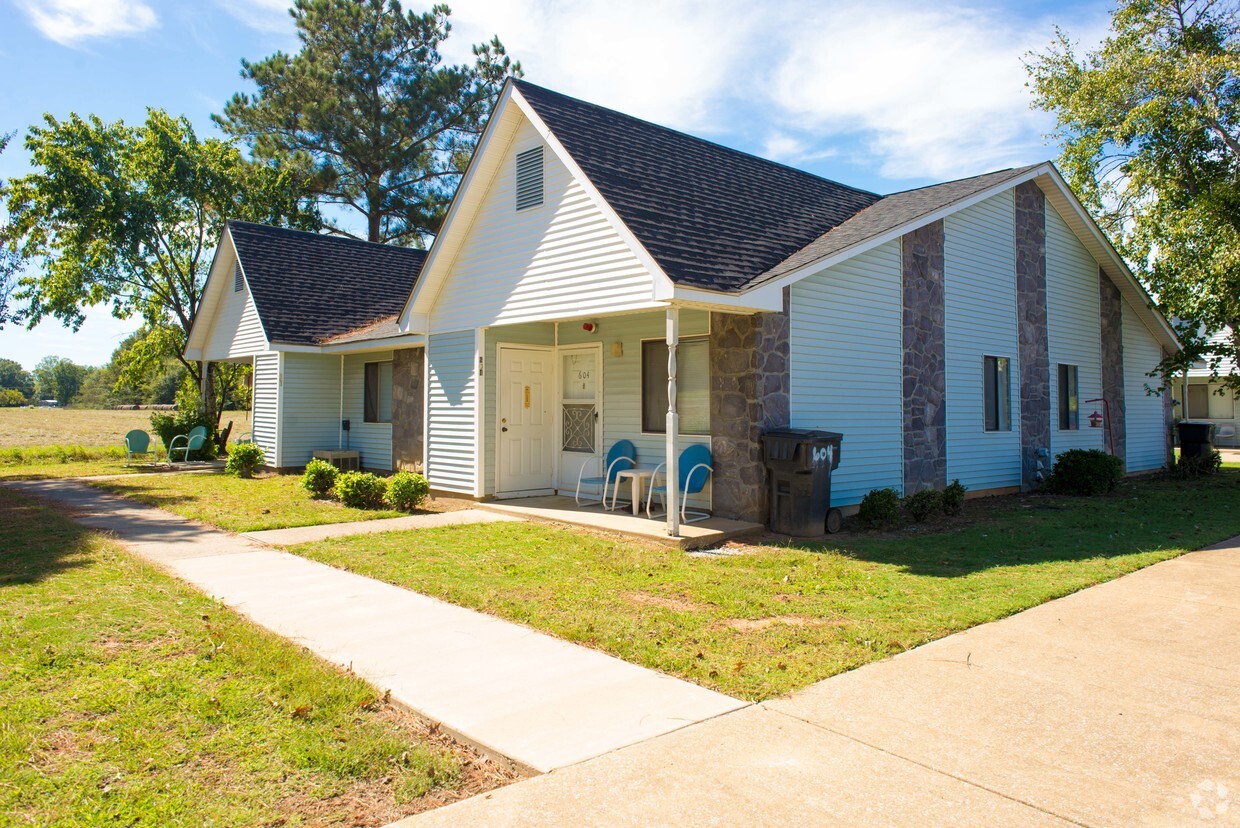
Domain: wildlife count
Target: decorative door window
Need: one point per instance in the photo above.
(579, 396)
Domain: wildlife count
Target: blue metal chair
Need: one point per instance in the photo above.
(623, 455)
(193, 442)
(694, 470)
(138, 444)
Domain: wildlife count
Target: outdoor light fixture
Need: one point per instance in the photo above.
(1095, 420)
(589, 327)
(617, 348)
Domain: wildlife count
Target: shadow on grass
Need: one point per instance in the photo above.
(1151, 515)
(37, 544)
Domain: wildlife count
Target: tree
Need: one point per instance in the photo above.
(1150, 126)
(369, 110)
(16, 378)
(10, 261)
(59, 379)
(129, 216)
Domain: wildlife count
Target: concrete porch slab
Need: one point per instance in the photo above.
(560, 509)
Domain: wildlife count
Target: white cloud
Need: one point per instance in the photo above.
(263, 15)
(69, 22)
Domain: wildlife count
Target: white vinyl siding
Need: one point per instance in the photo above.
(266, 409)
(980, 320)
(373, 441)
(847, 367)
(235, 331)
(1144, 429)
(559, 260)
(1074, 332)
(311, 412)
(451, 387)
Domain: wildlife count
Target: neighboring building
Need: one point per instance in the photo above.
(954, 331)
(1207, 398)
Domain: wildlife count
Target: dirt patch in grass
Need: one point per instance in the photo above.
(671, 602)
(759, 624)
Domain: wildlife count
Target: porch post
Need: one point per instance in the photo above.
(672, 478)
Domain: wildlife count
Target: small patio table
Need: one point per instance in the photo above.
(637, 480)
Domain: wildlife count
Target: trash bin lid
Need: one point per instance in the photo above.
(804, 434)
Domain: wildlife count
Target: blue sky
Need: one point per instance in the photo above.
(882, 95)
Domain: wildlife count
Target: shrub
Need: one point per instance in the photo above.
(361, 490)
(953, 498)
(169, 424)
(880, 508)
(923, 504)
(406, 491)
(1085, 472)
(244, 459)
(11, 398)
(320, 478)
(1195, 466)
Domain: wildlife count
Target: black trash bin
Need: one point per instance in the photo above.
(1196, 439)
(799, 463)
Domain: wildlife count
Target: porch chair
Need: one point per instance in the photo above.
(694, 470)
(621, 456)
(138, 444)
(193, 442)
(1226, 435)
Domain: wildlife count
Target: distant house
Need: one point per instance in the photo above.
(961, 330)
(1202, 396)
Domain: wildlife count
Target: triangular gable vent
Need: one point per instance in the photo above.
(530, 178)
(238, 280)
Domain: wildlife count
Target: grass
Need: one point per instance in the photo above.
(27, 427)
(272, 501)
(127, 698)
(769, 619)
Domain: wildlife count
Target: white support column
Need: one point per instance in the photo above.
(340, 422)
(672, 478)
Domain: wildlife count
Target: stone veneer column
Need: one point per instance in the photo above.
(408, 368)
(1035, 369)
(925, 350)
(748, 395)
(1111, 307)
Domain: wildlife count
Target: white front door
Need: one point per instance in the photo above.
(525, 432)
(581, 402)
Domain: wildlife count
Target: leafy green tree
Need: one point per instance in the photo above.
(10, 261)
(1150, 127)
(59, 379)
(14, 377)
(369, 109)
(129, 216)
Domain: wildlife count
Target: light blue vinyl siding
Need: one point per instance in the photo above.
(847, 366)
(311, 415)
(1074, 330)
(373, 441)
(451, 385)
(1143, 425)
(980, 320)
(265, 404)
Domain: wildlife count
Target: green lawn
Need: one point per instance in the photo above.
(127, 698)
(271, 501)
(770, 619)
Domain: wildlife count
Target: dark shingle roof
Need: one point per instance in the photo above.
(712, 217)
(309, 288)
(889, 213)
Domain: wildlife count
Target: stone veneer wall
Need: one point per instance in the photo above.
(925, 357)
(748, 394)
(408, 401)
(1111, 307)
(1035, 369)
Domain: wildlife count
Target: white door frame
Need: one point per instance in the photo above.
(564, 486)
(500, 347)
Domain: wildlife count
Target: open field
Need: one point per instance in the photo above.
(758, 621)
(26, 427)
(128, 698)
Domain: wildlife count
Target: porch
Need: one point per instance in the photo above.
(562, 509)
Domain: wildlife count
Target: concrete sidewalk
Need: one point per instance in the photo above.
(539, 701)
(1116, 706)
(307, 534)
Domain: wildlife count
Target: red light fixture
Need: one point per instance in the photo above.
(589, 327)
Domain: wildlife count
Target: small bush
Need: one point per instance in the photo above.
(11, 398)
(406, 491)
(924, 504)
(1183, 469)
(320, 478)
(1085, 472)
(953, 498)
(361, 490)
(169, 424)
(880, 508)
(243, 459)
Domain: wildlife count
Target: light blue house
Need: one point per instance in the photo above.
(961, 331)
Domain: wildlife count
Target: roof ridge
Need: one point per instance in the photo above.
(1014, 170)
(331, 237)
(520, 82)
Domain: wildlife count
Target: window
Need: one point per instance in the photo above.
(1069, 405)
(692, 386)
(1213, 402)
(530, 178)
(378, 391)
(238, 280)
(997, 393)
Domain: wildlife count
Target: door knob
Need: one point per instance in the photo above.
(505, 428)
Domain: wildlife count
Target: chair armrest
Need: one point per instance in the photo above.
(607, 472)
(173, 444)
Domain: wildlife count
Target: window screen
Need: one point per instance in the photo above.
(997, 393)
(1069, 405)
(692, 386)
(378, 393)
